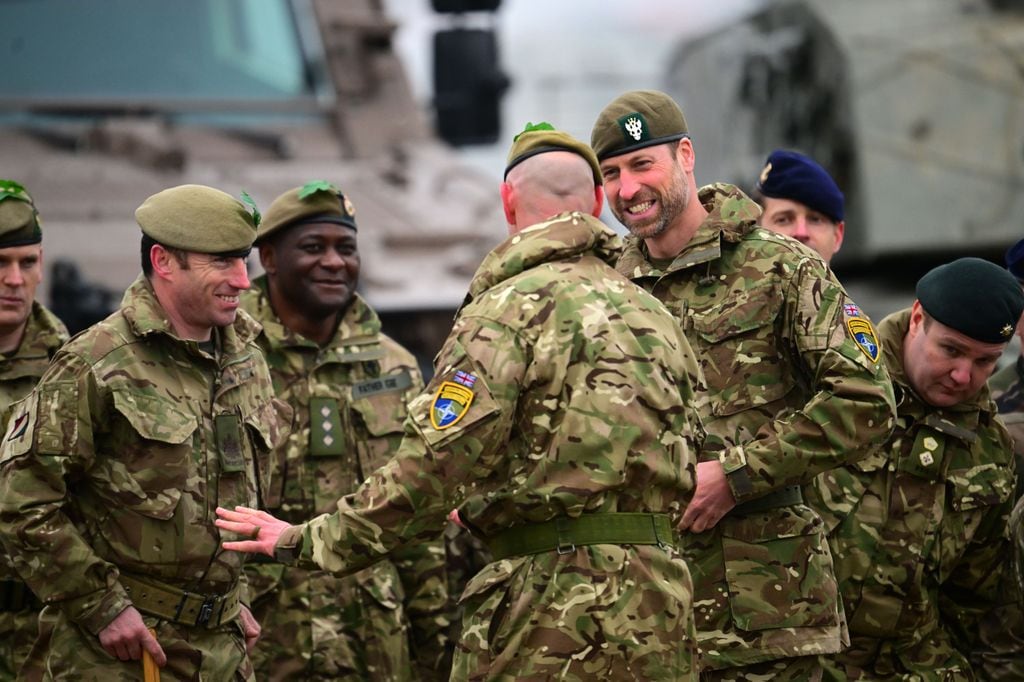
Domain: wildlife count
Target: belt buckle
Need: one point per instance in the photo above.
(563, 544)
(206, 610)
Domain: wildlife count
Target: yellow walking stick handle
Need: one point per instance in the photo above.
(150, 670)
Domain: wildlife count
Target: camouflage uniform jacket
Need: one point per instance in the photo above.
(562, 390)
(364, 379)
(111, 464)
(793, 392)
(918, 528)
(20, 372)
(1007, 386)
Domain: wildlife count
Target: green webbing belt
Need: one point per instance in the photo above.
(565, 534)
(786, 497)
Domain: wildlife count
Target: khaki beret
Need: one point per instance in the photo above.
(198, 218)
(637, 119)
(19, 220)
(973, 296)
(541, 138)
(315, 202)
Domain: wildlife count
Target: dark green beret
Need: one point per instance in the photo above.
(541, 138)
(19, 220)
(637, 119)
(973, 296)
(197, 218)
(315, 202)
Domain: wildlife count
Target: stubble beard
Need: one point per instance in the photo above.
(671, 204)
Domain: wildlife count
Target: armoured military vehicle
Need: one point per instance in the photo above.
(916, 107)
(104, 103)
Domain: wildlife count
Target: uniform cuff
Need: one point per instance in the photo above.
(95, 611)
(288, 549)
(737, 473)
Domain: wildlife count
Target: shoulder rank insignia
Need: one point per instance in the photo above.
(452, 400)
(863, 335)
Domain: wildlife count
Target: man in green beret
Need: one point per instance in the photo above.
(29, 336)
(918, 529)
(348, 385)
(559, 423)
(795, 386)
(112, 466)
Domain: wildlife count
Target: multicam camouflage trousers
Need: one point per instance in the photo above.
(316, 626)
(192, 653)
(604, 611)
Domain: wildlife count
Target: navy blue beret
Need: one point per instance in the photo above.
(793, 176)
(974, 297)
(1015, 260)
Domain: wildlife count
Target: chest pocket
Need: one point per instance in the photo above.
(152, 447)
(981, 486)
(381, 416)
(742, 362)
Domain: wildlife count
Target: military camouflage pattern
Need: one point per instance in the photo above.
(317, 625)
(918, 531)
(19, 373)
(999, 652)
(111, 466)
(1007, 386)
(791, 395)
(581, 400)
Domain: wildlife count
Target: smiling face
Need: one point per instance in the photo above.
(648, 189)
(313, 268)
(804, 224)
(21, 271)
(943, 366)
(201, 293)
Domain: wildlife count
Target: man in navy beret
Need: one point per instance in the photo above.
(801, 200)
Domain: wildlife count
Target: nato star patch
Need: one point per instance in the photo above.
(450, 405)
(864, 336)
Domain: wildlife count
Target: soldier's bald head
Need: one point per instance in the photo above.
(548, 184)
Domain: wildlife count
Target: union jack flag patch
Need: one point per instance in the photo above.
(464, 378)
(851, 310)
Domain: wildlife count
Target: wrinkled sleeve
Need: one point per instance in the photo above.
(47, 450)
(851, 410)
(455, 435)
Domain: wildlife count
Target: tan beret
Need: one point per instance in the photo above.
(19, 220)
(315, 202)
(541, 138)
(637, 119)
(197, 218)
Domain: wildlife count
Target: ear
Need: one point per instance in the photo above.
(42, 270)
(268, 259)
(916, 319)
(840, 231)
(508, 203)
(598, 201)
(162, 260)
(685, 155)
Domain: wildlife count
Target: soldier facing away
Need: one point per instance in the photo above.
(918, 528)
(111, 468)
(348, 385)
(801, 200)
(29, 336)
(560, 423)
(795, 388)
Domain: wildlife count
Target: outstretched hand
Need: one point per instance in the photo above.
(261, 529)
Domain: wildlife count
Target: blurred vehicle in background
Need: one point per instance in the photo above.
(105, 103)
(916, 108)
